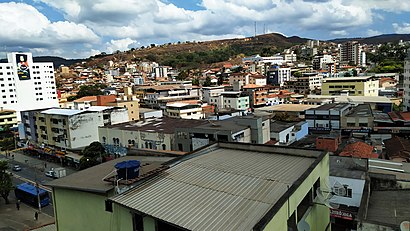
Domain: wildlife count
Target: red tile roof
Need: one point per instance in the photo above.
(397, 147)
(86, 99)
(359, 150)
(399, 116)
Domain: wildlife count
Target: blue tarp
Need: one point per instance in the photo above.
(128, 164)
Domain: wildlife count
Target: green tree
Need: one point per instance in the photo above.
(354, 72)
(297, 74)
(93, 154)
(90, 90)
(6, 184)
(195, 81)
(207, 82)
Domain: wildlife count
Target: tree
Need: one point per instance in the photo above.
(297, 74)
(207, 82)
(6, 184)
(90, 90)
(195, 82)
(354, 72)
(93, 154)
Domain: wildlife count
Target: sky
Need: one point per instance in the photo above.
(82, 28)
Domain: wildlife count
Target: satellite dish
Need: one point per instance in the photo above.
(405, 226)
(303, 226)
(324, 194)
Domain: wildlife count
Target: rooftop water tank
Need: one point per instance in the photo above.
(128, 169)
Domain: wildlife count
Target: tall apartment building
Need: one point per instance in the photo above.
(278, 75)
(352, 52)
(26, 85)
(406, 83)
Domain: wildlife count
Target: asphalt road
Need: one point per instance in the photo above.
(32, 175)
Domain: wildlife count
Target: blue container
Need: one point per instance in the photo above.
(128, 169)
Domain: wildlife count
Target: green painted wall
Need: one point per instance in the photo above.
(318, 217)
(76, 210)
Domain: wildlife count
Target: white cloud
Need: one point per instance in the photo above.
(371, 32)
(120, 44)
(404, 28)
(339, 33)
(24, 26)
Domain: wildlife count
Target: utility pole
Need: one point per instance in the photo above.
(255, 29)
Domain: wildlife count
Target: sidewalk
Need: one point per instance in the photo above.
(23, 219)
(41, 165)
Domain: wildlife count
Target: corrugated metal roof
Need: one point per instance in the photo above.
(225, 189)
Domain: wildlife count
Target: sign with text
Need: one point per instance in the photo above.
(23, 69)
(341, 214)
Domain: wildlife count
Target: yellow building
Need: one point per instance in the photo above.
(352, 86)
(8, 118)
(132, 105)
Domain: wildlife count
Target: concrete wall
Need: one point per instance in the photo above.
(83, 129)
(76, 210)
(318, 217)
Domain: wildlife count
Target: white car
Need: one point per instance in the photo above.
(50, 173)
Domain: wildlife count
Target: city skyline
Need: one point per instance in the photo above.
(79, 29)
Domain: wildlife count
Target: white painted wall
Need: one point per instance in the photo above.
(356, 185)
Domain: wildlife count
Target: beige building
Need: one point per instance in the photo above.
(152, 133)
(351, 86)
(359, 117)
(131, 104)
(8, 118)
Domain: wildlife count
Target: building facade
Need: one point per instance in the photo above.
(26, 85)
(351, 86)
(326, 117)
(406, 83)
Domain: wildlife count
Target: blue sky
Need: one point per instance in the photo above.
(81, 28)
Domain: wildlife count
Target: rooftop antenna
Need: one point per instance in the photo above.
(264, 28)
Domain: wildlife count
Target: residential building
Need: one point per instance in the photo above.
(278, 60)
(130, 102)
(26, 85)
(305, 84)
(231, 99)
(146, 113)
(379, 103)
(151, 133)
(184, 110)
(209, 92)
(86, 192)
(84, 102)
(359, 150)
(158, 96)
(244, 129)
(351, 86)
(406, 83)
(291, 110)
(278, 75)
(359, 117)
(74, 129)
(398, 149)
(161, 72)
(352, 52)
(286, 133)
(348, 179)
(321, 62)
(329, 142)
(8, 118)
(257, 95)
(273, 189)
(327, 116)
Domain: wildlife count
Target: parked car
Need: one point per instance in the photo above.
(16, 168)
(50, 173)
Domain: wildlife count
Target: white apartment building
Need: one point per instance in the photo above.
(74, 129)
(258, 59)
(278, 75)
(209, 92)
(406, 83)
(232, 100)
(26, 85)
(184, 110)
(322, 61)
